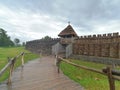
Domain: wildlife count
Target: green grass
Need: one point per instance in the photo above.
(12, 52)
(89, 80)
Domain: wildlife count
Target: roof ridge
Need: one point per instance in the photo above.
(68, 31)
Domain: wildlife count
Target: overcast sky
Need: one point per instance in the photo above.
(34, 19)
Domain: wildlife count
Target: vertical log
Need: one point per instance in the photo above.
(22, 59)
(114, 50)
(58, 64)
(111, 80)
(11, 70)
(119, 48)
(10, 75)
(55, 60)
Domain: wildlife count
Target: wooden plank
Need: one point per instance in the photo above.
(41, 76)
(22, 59)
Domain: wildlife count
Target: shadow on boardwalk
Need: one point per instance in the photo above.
(40, 74)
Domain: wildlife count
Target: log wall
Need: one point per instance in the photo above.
(41, 46)
(106, 45)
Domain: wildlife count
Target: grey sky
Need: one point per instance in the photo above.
(33, 19)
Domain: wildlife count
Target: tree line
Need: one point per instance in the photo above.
(6, 41)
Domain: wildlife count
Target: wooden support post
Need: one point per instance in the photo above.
(11, 70)
(58, 63)
(10, 75)
(111, 80)
(55, 60)
(22, 59)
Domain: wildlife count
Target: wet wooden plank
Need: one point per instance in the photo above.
(41, 74)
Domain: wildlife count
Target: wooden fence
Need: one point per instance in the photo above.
(111, 74)
(11, 64)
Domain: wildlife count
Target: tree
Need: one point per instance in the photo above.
(46, 38)
(16, 41)
(5, 39)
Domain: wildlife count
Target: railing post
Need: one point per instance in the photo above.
(58, 64)
(11, 70)
(22, 59)
(111, 80)
(55, 60)
(10, 75)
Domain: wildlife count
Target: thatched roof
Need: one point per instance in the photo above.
(68, 31)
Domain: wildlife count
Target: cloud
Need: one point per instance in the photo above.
(100, 28)
(30, 20)
(109, 27)
(29, 25)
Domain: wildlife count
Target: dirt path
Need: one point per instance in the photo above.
(40, 74)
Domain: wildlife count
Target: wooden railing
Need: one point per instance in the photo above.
(11, 64)
(111, 74)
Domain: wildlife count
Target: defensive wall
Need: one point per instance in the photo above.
(41, 46)
(106, 45)
(102, 48)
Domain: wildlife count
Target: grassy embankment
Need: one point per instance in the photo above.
(12, 52)
(89, 80)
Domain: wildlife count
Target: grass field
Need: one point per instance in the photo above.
(89, 80)
(12, 52)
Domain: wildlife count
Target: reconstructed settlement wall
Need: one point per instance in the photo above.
(106, 45)
(41, 46)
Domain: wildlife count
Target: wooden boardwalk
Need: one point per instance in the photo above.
(40, 74)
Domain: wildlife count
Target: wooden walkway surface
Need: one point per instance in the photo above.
(40, 74)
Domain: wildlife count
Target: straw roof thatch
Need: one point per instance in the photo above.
(68, 31)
